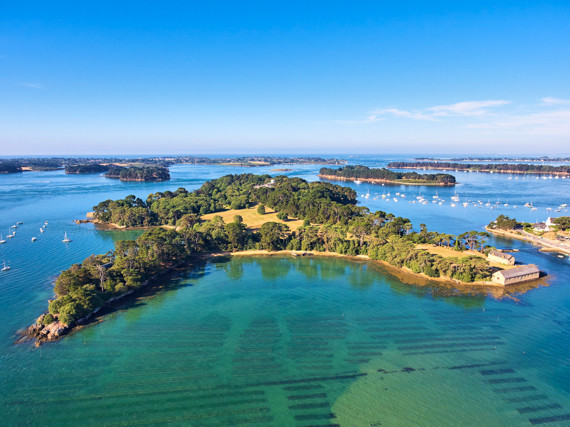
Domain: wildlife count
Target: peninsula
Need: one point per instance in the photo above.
(384, 176)
(286, 214)
(552, 235)
(485, 167)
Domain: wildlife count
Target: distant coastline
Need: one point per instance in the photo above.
(487, 168)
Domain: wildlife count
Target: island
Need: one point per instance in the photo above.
(485, 167)
(384, 176)
(138, 173)
(553, 235)
(252, 214)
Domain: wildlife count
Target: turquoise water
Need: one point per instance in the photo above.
(278, 340)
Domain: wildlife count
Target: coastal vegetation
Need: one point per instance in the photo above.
(86, 168)
(331, 223)
(138, 173)
(562, 222)
(10, 167)
(365, 173)
(486, 167)
(506, 223)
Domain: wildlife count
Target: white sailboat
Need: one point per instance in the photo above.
(34, 239)
(41, 230)
(65, 238)
(6, 267)
(2, 240)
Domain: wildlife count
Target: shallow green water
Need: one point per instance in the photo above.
(287, 341)
(282, 341)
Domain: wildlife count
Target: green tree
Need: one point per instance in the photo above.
(563, 222)
(273, 235)
(261, 210)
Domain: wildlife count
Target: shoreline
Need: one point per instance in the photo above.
(441, 279)
(384, 181)
(57, 330)
(550, 245)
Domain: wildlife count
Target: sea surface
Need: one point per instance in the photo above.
(286, 341)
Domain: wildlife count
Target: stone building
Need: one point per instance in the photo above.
(515, 275)
(501, 257)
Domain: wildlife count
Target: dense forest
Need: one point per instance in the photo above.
(10, 167)
(318, 202)
(494, 167)
(138, 173)
(332, 223)
(87, 168)
(364, 172)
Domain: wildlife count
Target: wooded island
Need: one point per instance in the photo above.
(383, 175)
(326, 217)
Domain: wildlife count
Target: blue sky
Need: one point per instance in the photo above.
(284, 77)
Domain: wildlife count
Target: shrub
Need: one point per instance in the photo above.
(48, 319)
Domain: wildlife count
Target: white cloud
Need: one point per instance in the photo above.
(555, 101)
(547, 122)
(32, 85)
(467, 108)
(415, 115)
(550, 117)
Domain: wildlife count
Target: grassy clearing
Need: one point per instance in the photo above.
(449, 252)
(252, 219)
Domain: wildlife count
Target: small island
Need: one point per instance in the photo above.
(253, 214)
(384, 176)
(138, 173)
(485, 167)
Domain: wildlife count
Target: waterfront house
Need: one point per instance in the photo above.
(501, 257)
(516, 275)
(550, 221)
(540, 226)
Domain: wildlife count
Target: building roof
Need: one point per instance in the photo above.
(503, 255)
(519, 271)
